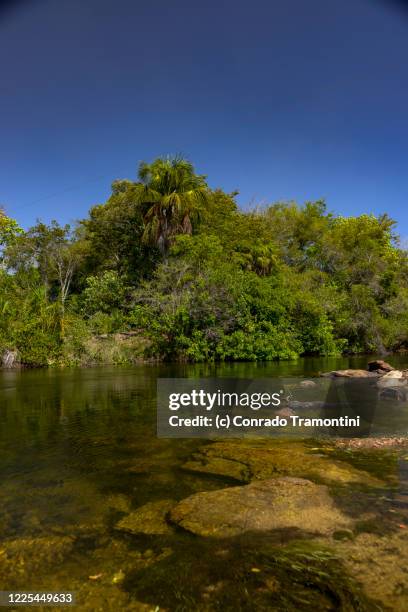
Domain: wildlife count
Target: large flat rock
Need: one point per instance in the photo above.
(278, 503)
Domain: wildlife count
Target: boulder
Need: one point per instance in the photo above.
(278, 503)
(379, 364)
(396, 378)
(10, 359)
(149, 519)
(393, 374)
(349, 374)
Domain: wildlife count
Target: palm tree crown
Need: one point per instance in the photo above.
(172, 196)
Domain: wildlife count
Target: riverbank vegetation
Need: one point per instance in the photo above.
(168, 268)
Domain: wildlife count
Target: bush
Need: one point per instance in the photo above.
(103, 293)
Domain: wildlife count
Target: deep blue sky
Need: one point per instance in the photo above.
(285, 100)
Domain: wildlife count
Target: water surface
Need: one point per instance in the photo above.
(78, 451)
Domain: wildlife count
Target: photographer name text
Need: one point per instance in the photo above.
(226, 421)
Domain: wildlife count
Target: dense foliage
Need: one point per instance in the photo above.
(168, 268)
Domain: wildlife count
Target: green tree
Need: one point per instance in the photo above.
(112, 237)
(172, 196)
(9, 231)
(53, 251)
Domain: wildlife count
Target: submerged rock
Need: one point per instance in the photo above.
(349, 374)
(27, 557)
(395, 394)
(248, 460)
(149, 519)
(297, 405)
(119, 502)
(220, 466)
(278, 503)
(253, 574)
(379, 564)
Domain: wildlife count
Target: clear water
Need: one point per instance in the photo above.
(78, 451)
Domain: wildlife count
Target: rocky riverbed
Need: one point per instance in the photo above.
(132, 522)
(308, 514)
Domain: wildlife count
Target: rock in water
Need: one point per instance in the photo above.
(250, 460)
(295, 405)
(379, 364)
(305, 384)
(9, 359)
(286, 412)
(265, 505)
(393, 394)
(349, 374)
(220, 466)
(149, 519)
(396, 378)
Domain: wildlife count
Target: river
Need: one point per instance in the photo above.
(78, 451)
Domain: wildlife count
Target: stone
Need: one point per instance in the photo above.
(308, 384)
(119, 502)
(222, 467)
(296, 405)
(371, 443)
(394, 394)
(349, 374)
(379, 364)
(27, 557)
(286, 412)
(10, 359)
(395, 378)
(149, 519)
(248, 460)
(380, 564)
(277, 503)
(393, 374)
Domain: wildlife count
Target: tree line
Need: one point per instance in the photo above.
(168, 268)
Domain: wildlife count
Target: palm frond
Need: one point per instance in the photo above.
(175, 196)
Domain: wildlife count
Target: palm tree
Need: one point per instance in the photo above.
(172, 196)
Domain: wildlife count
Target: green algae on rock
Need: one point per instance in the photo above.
(26, 557)
(219, 466)
(250, 573)
(380, 566)
(278, 503)
(248, 460)
(149, 519)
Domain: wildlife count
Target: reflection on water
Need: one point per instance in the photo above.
(78, 452)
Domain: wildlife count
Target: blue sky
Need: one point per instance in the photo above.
(280, 100)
